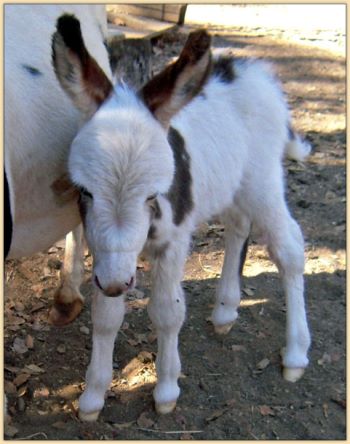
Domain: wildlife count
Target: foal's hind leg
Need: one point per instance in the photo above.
(68, 301)
(228, 294)
(286, 248)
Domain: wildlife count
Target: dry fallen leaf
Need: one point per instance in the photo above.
(10, 431)
(145, 357)
(135, 294)
(22, 391)
(37, 306)
(21, 379)
(216, 414)
(13, 327)
(29, 342)
(341, 402)
(248, 291)
(19, 306)
(10, 387)
(21, 405)
(59, 425)
(37, 289)
(41, 392)
(186, 437)
(230, 402)
(13, 320)
(326, 359)
(124, 425)
(144, 421)
(61, 349)
(85, 330)
(265, 410)
(263, 364)
(238, 348)
(11, 368)
(325, 410)
(34, 369)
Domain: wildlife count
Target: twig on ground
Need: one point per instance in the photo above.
(34, 435)
(169, 432)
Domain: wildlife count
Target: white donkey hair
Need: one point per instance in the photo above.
(202, 138)
(40, 123)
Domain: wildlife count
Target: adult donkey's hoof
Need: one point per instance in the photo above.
(293, 374)
(88, 417)
(165, 408)
(64, 313)
(223, 329)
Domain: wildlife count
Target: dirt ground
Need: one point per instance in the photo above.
(231, 387)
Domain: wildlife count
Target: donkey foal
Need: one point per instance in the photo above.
(202, 138)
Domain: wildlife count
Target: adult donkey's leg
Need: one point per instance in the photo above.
(68, 301)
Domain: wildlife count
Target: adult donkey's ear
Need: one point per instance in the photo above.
(178, 83)
(78, 73)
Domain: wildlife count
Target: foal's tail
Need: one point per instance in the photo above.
(296, 148)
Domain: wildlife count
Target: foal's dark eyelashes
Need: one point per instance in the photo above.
(84, 192)
(151, 197)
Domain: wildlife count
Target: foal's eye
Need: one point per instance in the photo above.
(84, 192)
(151, 197)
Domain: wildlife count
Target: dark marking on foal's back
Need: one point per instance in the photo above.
(180, 193)
(223, 69)
(32, 70)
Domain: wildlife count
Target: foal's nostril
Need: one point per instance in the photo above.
(97, 282)
(129, 284)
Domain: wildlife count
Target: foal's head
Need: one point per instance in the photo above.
(120, 159)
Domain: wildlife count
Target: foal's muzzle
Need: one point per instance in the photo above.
(115, 289)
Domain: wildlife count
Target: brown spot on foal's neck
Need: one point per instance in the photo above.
(64, 190)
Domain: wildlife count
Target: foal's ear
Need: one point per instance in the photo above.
(177, 84)
(78, 73)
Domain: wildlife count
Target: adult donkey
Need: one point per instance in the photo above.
(40, 124)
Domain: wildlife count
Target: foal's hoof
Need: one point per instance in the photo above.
(223, 329)
(293, 374)
(88, 417)
(166, 407)
(63, 314)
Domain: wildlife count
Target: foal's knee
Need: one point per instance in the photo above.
(168, 313)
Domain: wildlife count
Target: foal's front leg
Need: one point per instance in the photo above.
(167, 312)
(107, 317)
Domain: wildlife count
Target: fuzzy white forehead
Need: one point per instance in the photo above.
(122, 142)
